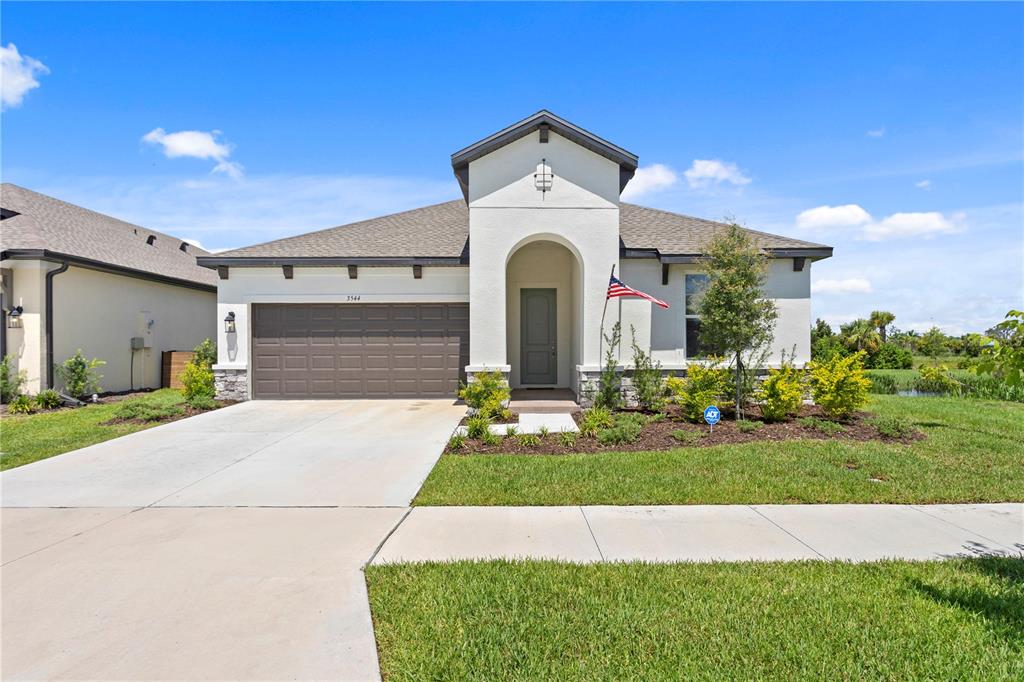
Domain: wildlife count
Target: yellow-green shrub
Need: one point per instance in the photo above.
(197, 380)
(781, 393)
(839, 384)
(703, 385)
(487, 394)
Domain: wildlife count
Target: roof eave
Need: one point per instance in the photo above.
(46, 254)
(811, 253)
(214, 262)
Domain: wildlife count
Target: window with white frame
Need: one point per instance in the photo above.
(695, 286)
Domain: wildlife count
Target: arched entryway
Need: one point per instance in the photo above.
(543, 314)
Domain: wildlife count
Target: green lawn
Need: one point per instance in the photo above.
(972, 453)
(813, 620)
(27, 438)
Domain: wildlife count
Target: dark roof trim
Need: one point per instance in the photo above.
(461, 159)
(44, 254)
(316, 261)
(810, 253)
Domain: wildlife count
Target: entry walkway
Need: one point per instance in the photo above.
(707, 533)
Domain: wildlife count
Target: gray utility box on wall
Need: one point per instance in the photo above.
(138, 343)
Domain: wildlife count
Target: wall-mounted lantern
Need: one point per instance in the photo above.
(229, 323)
(543, 178)
(14, 317)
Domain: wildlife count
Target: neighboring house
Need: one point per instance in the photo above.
(513, 277)
(74, 278)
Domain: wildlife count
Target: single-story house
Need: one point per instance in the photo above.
(512, 277)
(76, 279)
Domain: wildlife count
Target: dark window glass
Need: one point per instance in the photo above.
(695, 286)
(693, 349)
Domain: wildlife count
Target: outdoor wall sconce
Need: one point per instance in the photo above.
(543, 178)
(14, 317)
(229, 323)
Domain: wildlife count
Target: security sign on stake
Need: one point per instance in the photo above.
(712, 415)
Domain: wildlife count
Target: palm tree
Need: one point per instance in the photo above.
(861, 335)
(881, 319)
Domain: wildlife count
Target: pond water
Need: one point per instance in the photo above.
(914, 393)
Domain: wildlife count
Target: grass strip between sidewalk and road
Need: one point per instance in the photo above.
(972, 452)
(958, 619)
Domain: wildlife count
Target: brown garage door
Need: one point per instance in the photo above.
(394, 350)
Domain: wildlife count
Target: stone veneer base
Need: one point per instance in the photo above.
(231, 384)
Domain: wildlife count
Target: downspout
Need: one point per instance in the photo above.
(49, 320)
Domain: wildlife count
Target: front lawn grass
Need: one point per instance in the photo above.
(891, 620)
(31, 437)
(972, 453)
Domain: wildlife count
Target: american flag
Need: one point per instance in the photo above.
(617, 289)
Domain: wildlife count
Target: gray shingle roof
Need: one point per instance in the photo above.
(442, 230)
(45, 223)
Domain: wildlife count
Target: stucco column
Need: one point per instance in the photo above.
(487, 348)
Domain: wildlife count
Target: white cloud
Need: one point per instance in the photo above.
(196, 144)
(17, 75)
(913, 225)
(706, 173)
(877, 132)
(833, 217)
(653, 178)
(851, 285)
(923, 184)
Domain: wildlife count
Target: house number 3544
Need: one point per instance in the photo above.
(353, 297)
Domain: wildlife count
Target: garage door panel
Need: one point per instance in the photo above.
(359, 350)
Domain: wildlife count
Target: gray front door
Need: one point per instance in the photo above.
(539, 346)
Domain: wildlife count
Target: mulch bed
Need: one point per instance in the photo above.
(657, 435)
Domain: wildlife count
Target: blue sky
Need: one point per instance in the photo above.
(892, 132)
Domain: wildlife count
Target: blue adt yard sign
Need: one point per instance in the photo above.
(712, 415)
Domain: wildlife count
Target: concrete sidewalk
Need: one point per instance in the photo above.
(708, 533)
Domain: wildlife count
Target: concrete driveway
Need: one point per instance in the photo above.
(225, 546)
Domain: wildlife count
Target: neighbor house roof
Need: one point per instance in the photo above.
(439, 234)
(38, 226)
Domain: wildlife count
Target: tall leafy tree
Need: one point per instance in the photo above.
(933, 343)
(881, 319)
(735, 316)
(861, 335)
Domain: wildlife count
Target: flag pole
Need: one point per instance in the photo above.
(600, 340)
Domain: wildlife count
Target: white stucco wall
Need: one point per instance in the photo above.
(25, 344)
(506, 211)
(791, 292)
(100, 312)
(543, 265)
(246, 286)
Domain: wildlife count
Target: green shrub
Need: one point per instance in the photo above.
(80, 376)
(511, 430)
(688, 437)
(625, 429)
(10, 381)
(490, 438)
(145, 410)
(595, 419)
(202, 402)
(822, 425)
(197, 380)
(747, 426)
(839, 385)
(205, 354)
(609, 385)
(703, 385)
(567, 438)
(648, 381)
(884, 384)
(456, 442)
(892, 426)
(890, 356)
(543, 431)
(477, 426)
(781, 393)
(487, 394)
(49, 399)
(22, 404)
(936, 379)
(529, 440)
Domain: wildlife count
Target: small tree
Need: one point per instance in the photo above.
(205, 353)
(1004, 359)
(735, 316)
(79, 375)
(881, 319)
(861, 335)
(648, 381)
(932, 343)
(609, 387)
(10, 380)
